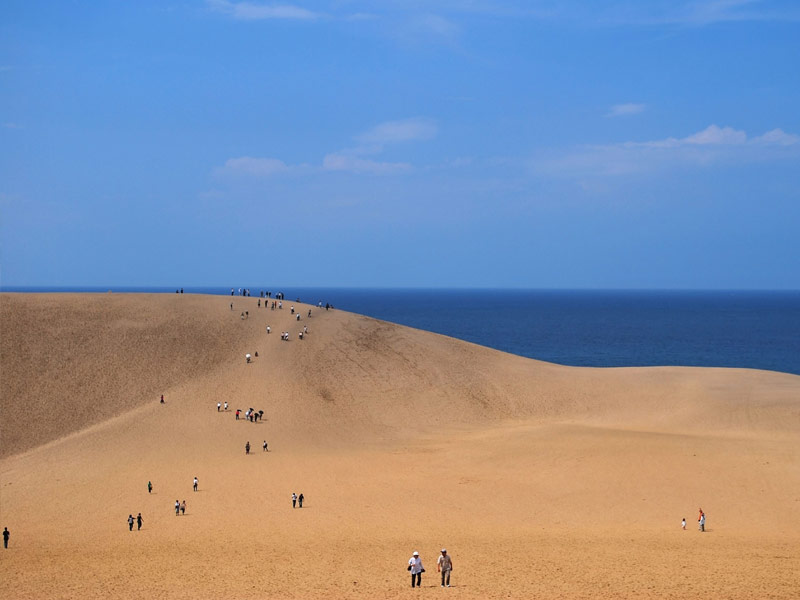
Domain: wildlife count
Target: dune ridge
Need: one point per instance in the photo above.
(542, 479)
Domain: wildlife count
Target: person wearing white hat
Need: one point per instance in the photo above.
(444, 564)
(416, 568)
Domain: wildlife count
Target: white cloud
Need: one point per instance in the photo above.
(681, 13)
(405, 130)
(375, 140)
(257, 167)
(351, 160)
(711, 135)
(777, 137)
(354, 164)
(716, 135)
(438, 26)
(712, 145)
(251, 11)
(621, 110)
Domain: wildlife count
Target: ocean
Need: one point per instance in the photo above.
(750, 329)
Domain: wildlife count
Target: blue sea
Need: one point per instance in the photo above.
(752, 329)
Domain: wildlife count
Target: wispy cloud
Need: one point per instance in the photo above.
(697, 13)
(353, 164)
(622, 110)
(252, 11)
(358, 159)
(375, 140)
(437, 26)
(712, 145)
(442, 19)
(258, 167)
(394, 132)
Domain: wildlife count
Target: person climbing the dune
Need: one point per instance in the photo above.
(416, 568)
(444, 564)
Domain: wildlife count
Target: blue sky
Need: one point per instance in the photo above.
(472, 143)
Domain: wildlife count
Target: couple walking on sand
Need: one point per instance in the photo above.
(444, 564)
(138, 520)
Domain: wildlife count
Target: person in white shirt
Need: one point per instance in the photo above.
(416, 568)
(444, 564)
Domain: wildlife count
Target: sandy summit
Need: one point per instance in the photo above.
(541, 481)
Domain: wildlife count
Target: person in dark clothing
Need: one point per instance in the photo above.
(139, 522)
(149, 487)
(6, 535)
(130, 522)
(162, 398)
(247, 448)
(300, 499)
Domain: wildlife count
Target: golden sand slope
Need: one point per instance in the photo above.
(542, 481)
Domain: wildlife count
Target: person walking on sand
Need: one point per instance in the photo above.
(183, 507)
(237, 414)
(701, 520)
(300, 499)
(139, 522)
(247, 448)
(444, 564)
(294, 500)
(6, 535)
(130, 522)
(195, 484)
(149, 487)
(265, 446)
(177, 508)
(226, 406)
(219, 406)
(416, 568)
(683, 523)
(162, 398)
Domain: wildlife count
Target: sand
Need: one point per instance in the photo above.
(541, 480)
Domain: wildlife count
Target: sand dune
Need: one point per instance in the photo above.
(541, 480)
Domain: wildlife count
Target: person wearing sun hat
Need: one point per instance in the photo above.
(416, 568)
(444, 564)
